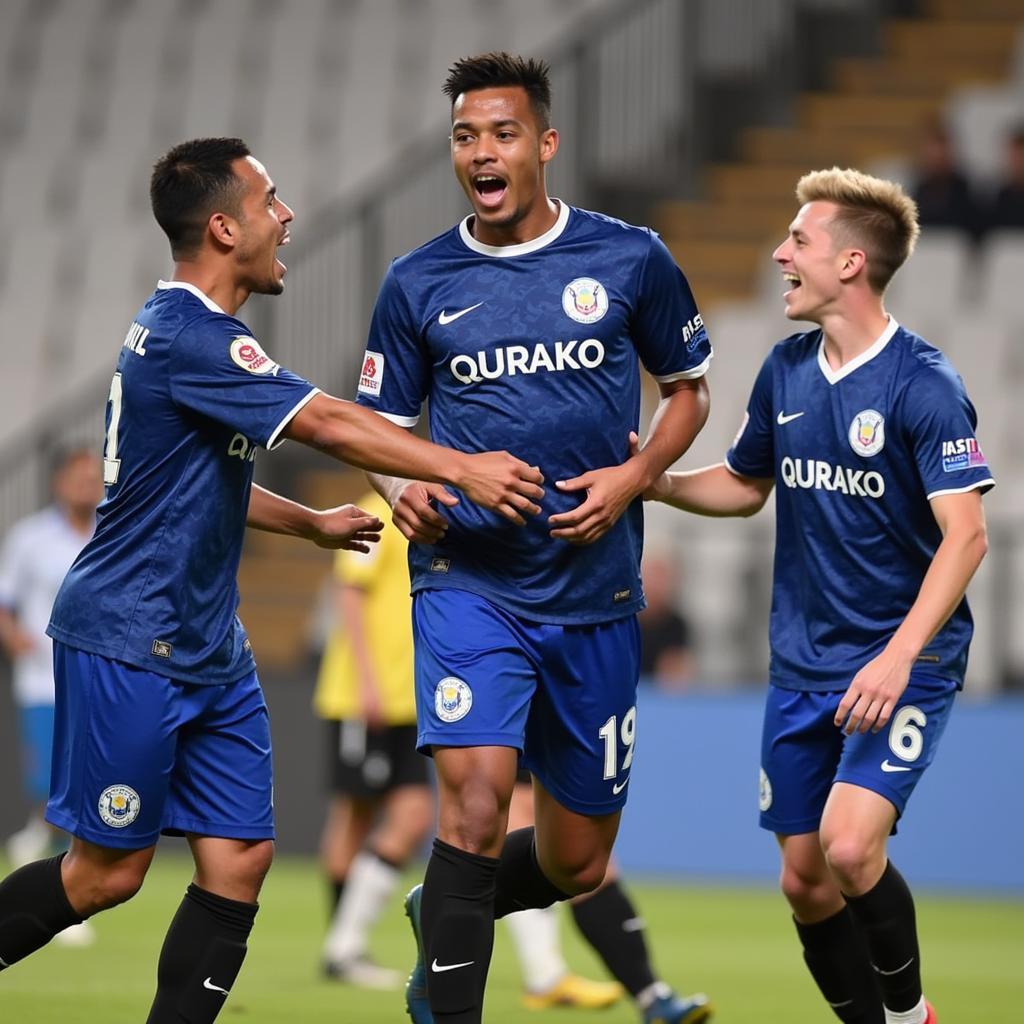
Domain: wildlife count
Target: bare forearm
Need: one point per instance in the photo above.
(676, 422)
(956, 560)
(10, 633)
(274, 513)
(362, 438)
(351, 606)
(713, 491)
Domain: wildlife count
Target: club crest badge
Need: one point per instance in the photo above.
(867, 433)
(452, 699)
(585, 300)
(119, 806)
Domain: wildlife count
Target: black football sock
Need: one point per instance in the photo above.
(457, 922)
(521, 884)
(836, 954)
(610, 923)
(335, 890)
(887, 918)
(201, 957)
(33, 908)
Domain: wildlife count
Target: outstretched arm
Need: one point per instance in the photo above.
(712, 491)
(344, 527)
(361, 437)
(609, 491)
(877, 687)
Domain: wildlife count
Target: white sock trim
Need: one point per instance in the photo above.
(917, 1015)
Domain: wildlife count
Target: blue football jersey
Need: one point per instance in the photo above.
(534, 348)
(192, 399)
(856, 454)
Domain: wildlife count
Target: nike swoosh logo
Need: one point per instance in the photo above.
(214, 988)
(839, 1006)
(619, 786)
(887, 767)
(783, 419)
(634, 924)
(447, 318)
(438, 969)
(889, 974)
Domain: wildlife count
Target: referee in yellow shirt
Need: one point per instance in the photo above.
(382, 809)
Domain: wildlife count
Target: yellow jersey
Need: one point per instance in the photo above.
(383, 576)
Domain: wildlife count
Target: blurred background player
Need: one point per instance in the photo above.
(36, 556)
(382, 808)
(869, 434)
(666, 657)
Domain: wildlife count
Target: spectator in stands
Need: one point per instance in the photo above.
(665, 656)
(943, 193)
(1007, 208)
(36, 556)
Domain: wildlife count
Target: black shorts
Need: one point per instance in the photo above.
(366, 763)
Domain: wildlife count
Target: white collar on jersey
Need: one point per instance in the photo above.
(834, 376)
(201, 296)
(523, 247)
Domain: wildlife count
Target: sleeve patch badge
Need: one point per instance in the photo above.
(371, 376)
(246, 353)
(963, 453)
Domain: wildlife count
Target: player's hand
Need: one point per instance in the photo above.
(346, 526)
(874, 693)
(415, 515)
(609, 493)
(18, 643)
(660, 489)
(371, 708)
(500, 481)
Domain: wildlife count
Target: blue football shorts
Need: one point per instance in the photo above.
(36, 727)
(803, 752)
(137, 754)
(564, 696)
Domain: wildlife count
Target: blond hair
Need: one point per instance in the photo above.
(874, 214)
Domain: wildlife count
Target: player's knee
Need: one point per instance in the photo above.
(579, 876)
(805, 888)
(475, 820)
(853, 861)
(116, 884)
(255, 862)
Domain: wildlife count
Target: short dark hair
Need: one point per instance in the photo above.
(191, 182)
(494, 70)
(61, 457)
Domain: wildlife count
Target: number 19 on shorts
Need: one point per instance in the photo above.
(611, 732)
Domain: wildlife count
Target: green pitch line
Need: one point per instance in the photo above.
(737, 945)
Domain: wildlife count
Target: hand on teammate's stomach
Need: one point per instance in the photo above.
(500, 481)
(609, 492)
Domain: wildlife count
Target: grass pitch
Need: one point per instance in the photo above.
(736, 944)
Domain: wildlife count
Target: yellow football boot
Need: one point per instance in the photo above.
(572, 990)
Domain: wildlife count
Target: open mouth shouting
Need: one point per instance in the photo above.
(791, 279)
(284, 240)
(490, 189)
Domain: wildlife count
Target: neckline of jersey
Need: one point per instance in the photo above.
(200, 295)
(523, 248)
(876, 348)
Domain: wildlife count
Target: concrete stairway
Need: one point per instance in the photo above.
(874, 110)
